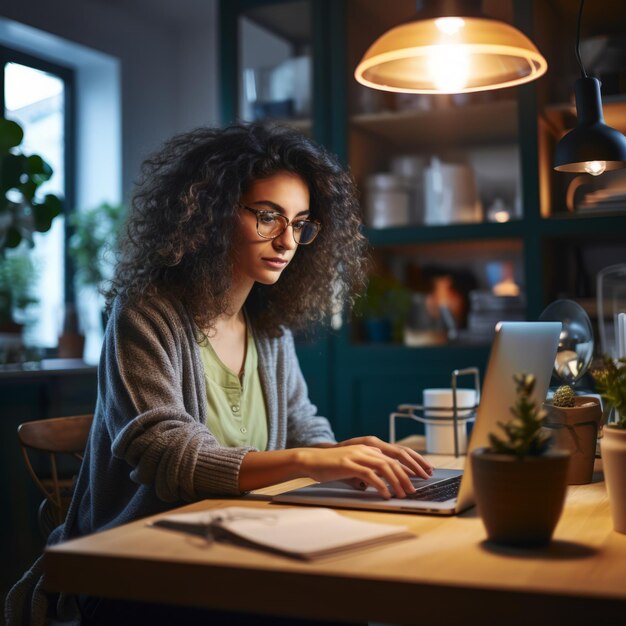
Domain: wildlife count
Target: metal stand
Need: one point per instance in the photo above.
(416, 412)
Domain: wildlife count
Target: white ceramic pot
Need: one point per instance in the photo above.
(613, 448)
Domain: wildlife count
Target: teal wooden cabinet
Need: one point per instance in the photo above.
(506, 137)
(26, 396)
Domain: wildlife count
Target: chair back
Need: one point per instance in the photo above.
(54, 436)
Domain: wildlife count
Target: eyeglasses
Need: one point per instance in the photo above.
(271, 225)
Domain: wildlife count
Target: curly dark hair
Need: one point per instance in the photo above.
(179, 232)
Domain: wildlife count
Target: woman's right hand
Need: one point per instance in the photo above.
(364, 463)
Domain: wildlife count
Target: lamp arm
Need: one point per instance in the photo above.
(583, 73)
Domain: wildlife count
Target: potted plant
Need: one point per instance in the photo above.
(611, 383)
(93, 242)
(520, 481)
(21, 211)
(93, 246)
(383, 309)
(17, 278)
(575, 421)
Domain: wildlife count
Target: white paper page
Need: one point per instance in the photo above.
(297, 530)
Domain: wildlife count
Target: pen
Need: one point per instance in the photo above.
(207, 531)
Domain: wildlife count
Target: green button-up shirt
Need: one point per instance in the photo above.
(236, 407)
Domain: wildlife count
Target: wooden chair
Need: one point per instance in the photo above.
(53, 437)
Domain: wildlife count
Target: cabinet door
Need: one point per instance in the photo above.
(275, 65)
(274, 68)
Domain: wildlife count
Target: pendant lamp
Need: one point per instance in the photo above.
(592, 146)
(450, 46)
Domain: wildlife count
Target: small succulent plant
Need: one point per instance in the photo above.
(611, 383)
(564, 396)
(525, 433)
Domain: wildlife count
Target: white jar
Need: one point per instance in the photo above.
(411, 168)
(451, 195)
(388, 201)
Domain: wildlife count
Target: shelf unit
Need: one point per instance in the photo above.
(358, 385)
(486, 122)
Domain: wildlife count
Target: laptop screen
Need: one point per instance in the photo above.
(518, 347)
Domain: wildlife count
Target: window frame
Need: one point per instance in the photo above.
(67, 75)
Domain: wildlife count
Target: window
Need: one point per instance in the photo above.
(38, 95)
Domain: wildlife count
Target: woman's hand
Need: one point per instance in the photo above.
(365, 463)
(360, 462)
(408, 457)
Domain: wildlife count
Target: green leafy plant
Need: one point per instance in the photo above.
(17, 278)
(564, 397)
(611, 384)
(525, 433)
(21, 211)
(94, 240)
(385, 299)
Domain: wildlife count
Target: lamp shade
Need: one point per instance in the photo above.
(592, 143)
(450, 55)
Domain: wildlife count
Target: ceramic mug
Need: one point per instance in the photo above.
(440, 431)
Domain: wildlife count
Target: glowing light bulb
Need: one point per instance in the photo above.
(449, 67)
(449, 25)
(595, 168)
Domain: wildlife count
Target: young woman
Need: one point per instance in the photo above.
(235, 238)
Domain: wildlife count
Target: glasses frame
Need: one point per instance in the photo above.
(258, 212)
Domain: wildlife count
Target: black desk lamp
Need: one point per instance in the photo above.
(592, 146)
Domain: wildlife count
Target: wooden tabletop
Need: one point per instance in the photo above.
(447, 574)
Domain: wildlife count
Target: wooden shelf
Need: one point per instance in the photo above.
(584, 225)
(304, 125)
(472, 124)
(565, 225)
(448, 233)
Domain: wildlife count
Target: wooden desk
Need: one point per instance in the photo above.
(447, 575)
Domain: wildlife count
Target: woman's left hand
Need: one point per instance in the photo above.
(406, 456)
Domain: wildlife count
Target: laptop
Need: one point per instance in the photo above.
(518, 347)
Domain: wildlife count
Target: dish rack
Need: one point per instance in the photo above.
(417, 412)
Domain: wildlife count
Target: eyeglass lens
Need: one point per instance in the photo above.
(271, 226)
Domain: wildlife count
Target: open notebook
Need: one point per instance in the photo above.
(302, 533)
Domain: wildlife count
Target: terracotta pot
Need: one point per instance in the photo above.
(11, 328)
(520, 500)
(71, 346)
(576, 430)
(71, 341)
(613, 449)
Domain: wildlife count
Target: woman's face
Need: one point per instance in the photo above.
(263, 260)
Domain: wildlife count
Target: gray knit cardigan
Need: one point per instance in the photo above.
(149, 449)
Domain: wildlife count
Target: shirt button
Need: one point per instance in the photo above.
(244, 430)
(235, 408)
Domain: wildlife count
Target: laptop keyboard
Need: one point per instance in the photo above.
(439, 492)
